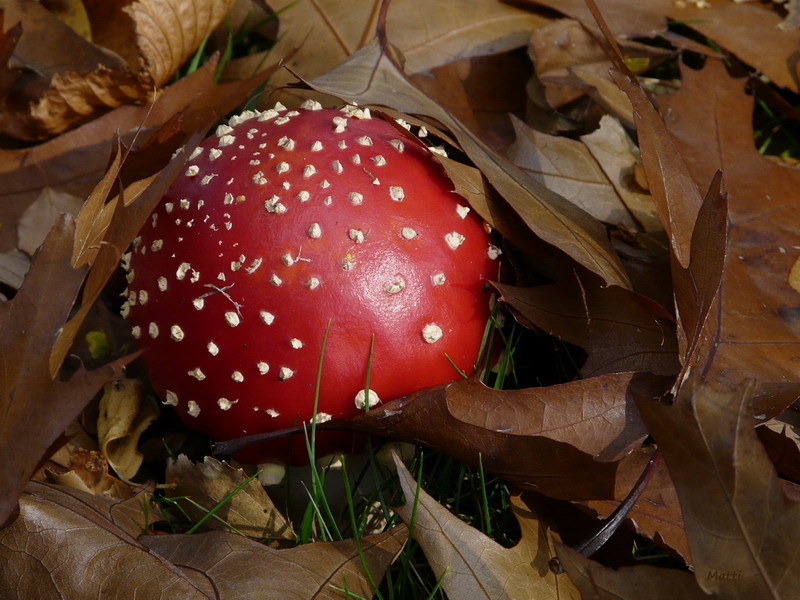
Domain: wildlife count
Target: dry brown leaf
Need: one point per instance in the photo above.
(555, 48)
(481, 92)
(749, 30)
(569, 434)
(41, 215)
(620, 330)
(567, 166)
(570, 64)
(369, 77)
(597, 582)
(619, 158)
(169, 31)
(752, 330)
(237, 567)
(88, 79)
(676, 195)
(657, 512)
(250, 511)
(741, 527)
(74, 98)
(563, 432)
(70, 544)
(36, 406)
(49, 45)
(326, 32)
(76, 467)
(124, 413)
(471, 565)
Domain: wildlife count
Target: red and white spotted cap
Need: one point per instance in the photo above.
(285, 221)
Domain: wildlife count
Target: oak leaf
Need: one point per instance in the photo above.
(36, 405)
(597, 582)
(749, 30)
(237, 567)
(752, 332)
(740, 525)
(572, 435)
(472, 565)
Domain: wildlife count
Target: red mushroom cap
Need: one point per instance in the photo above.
(286, 221)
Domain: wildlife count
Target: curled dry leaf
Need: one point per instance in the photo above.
(86, 470)
(569, 434)
(620, 330)
(74, 98)
(168, 32)
(236, 567)
(472, 565)
(250, 511)
(157, 36)
(125, 412)
(36, 406)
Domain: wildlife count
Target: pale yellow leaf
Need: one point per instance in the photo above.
(169, 31)
(566, 166)
(124, 415)
(618, 156)
(473, 566)
(250, 511)
(13, 266)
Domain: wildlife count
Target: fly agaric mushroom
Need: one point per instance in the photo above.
(287, 223)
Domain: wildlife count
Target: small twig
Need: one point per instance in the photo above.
(223, 291)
